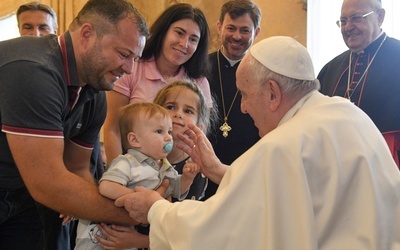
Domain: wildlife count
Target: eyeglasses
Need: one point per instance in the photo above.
(353, 19)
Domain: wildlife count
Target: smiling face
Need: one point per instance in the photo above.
(109, 57)
(180, 42)
(237, 35)
(182, 105)
(35, 23)
(358, 36)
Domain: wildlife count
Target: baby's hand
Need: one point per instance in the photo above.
(190, 169)
(67, 218)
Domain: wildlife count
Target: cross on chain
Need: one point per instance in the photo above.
(225, 128)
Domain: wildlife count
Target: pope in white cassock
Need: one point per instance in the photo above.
(321, 176)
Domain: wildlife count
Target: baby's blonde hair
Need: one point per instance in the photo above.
(131, 115)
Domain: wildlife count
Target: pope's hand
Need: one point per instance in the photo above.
(139, 202)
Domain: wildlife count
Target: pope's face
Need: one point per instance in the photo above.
(253, 98)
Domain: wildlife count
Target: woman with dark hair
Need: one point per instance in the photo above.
(177, 49)
(155, 43)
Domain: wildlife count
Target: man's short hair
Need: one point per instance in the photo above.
(105, 14)
(38, 6)
(238, 8)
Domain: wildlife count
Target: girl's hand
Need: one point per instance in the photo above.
(121, 237)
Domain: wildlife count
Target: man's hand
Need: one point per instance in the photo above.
(140, 201)
(200, 150)
(66, 219)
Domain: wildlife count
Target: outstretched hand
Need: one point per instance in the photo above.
(139, 202)
(200, 150)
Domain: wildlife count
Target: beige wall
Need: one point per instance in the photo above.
(280, 17)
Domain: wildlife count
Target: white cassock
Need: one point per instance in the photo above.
(323, 179)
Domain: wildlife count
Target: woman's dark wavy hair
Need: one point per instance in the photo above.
(197, 65)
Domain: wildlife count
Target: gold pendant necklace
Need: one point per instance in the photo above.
(225, 128)
(349, 95)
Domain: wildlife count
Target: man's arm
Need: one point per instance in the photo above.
(112, 137)
(41, 165)
(77, 160)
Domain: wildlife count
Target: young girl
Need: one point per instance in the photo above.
(186, 105)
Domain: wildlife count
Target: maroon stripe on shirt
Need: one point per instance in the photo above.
(33, 132)
(65, 59)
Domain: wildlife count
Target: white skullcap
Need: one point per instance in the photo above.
(285, 56)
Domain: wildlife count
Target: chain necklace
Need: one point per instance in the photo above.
(349, 95)
(225, 128)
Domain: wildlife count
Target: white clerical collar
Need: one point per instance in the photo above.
(231, 62)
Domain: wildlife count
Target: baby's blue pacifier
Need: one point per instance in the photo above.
(168, 147)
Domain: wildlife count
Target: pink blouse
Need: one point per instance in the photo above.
(145, 81)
